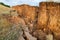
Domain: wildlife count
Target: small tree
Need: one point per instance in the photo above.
(4, 4)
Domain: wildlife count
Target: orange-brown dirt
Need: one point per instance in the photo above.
(27, 12)
(46, 17)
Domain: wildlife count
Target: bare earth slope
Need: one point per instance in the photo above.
(47, 14)
(30, 22)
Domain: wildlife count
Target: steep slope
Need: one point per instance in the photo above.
(40, 21)
(28, 13)
(48, 17)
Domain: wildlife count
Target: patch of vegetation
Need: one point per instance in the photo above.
(4, 4)
(8, 31)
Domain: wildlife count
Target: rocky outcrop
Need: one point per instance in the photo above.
(42, 15)
(54, 18)
(28, 13)
(46, 17)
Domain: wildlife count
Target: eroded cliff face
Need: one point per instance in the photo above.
(46, 17)
(54, 18)
(27, 12)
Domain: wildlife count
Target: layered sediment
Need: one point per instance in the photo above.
(43, 19)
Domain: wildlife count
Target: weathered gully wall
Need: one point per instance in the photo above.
(45, 17)
(48, 17)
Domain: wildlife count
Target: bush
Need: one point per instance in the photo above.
(4, 4)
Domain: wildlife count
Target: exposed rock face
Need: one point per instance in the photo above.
(42, 16)
(54, 14)
(45, 17)
(48, 17)
(27, 12)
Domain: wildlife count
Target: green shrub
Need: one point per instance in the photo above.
(4, 4)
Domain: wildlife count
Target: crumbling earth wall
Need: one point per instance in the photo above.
(46, 17)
